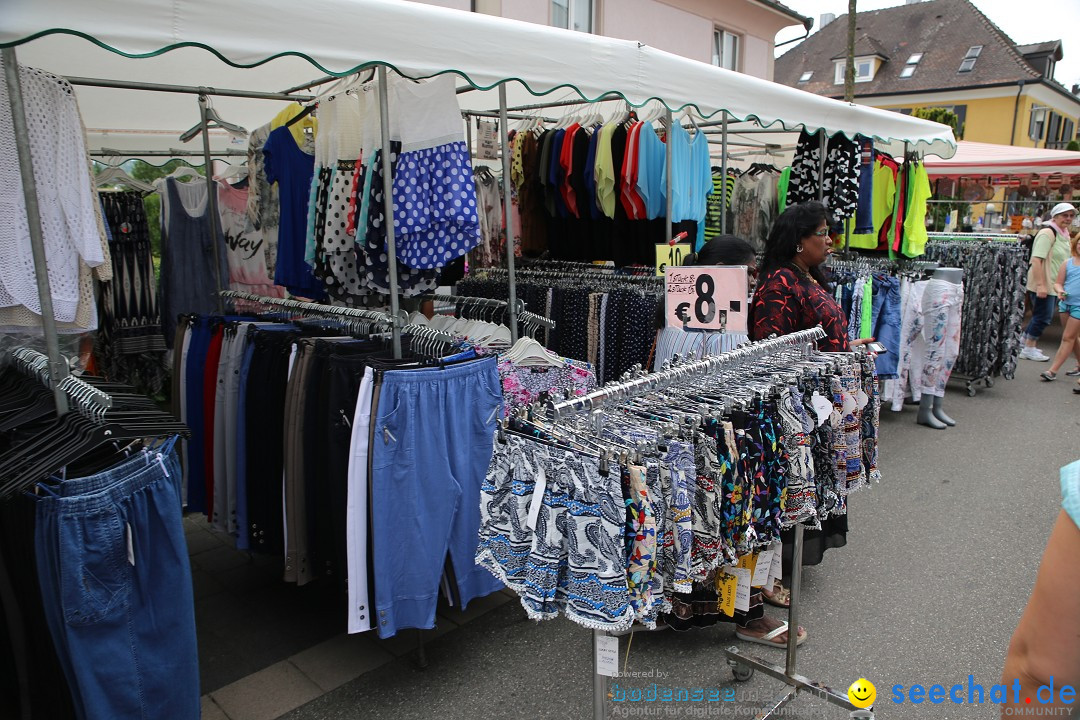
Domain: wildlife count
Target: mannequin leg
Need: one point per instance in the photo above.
(939, 412)
(926, 413)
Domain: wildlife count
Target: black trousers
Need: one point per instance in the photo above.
(265, 418)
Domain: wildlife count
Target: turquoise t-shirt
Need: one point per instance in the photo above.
(652, 157)
(1070, 491)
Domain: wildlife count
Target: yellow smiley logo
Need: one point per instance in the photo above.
(862, 693)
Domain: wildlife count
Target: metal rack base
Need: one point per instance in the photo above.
(743, 667)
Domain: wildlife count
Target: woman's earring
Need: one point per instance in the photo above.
(798, 249)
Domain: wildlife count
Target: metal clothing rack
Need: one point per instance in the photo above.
(962, 236)
(422, 332)
(743, 665)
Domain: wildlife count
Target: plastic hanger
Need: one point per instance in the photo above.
(184, 171)
(116, 175)
(233, 171)
(214, 120)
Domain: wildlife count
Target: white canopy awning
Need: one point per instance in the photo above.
(272, 45)
(982, 159)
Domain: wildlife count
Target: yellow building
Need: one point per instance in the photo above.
(947, 54)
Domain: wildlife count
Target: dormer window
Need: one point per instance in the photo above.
(865, 67)
(969, 60)
(912, 63)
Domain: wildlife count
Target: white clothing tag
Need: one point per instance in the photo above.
(130, 545)
(742, 591)
(822, 407)
(776, 570)
(537, 499)
(850, 403)
(862, 398)
(607, 655)
(762, 568)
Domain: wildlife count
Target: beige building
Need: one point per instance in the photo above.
(735, 34)
(944, 54)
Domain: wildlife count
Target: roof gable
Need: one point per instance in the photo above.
(942, 30)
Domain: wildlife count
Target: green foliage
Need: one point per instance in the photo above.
(1073, 145)
(941, 115)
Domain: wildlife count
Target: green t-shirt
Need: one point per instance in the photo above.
(882, 205)
(1053, 247)
(919, 191)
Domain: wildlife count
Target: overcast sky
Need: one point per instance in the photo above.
(1025, 21)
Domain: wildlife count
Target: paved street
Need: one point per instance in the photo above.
(940, 561)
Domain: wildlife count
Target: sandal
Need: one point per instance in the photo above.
(1048, 376)
(771, 638)
(779, 597)
(1075, 372)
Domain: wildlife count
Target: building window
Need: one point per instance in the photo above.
(970, 58)
(572, 14)
(805, 77)
(725, 51)
(912, 63)
(864, 70)
(1037, 124)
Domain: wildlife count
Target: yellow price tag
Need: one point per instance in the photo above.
(726, 586)
(671, 256)
(748, 562)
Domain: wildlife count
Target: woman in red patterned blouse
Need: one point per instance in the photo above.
(792, 293)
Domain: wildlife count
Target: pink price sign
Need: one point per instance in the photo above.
(707, 298)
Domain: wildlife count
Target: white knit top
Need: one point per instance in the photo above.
(65, 196)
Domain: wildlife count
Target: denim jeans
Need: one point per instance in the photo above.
(1042, 314)
(886, 323)
(430, 450)
(116, 589)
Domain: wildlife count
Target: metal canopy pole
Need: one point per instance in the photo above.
(507, 205)
(388, 208)
(185, 89)
(58, 369)
(723, 171)
(668, 184)
(821, 167)
(211, 199)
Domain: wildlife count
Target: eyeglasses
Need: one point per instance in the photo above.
(822, 232)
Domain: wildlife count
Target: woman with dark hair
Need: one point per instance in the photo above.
(793, 295)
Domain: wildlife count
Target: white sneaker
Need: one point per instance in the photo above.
(1034, 353)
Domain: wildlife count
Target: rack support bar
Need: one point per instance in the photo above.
(58, 369)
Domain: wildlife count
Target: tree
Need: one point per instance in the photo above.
(943, 116)
(849, 70)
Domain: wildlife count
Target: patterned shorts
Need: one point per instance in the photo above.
(678, 479)
(572, 558)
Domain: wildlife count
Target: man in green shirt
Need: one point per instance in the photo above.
(1050, 250)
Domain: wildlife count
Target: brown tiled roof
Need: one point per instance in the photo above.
(942, 30)
(786, 10)
(864, 46)
(1050, 46)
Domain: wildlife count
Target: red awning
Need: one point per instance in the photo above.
(975, 158)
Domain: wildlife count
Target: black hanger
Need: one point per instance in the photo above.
(301, 115)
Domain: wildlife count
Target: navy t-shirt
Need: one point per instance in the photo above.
(292, 169)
